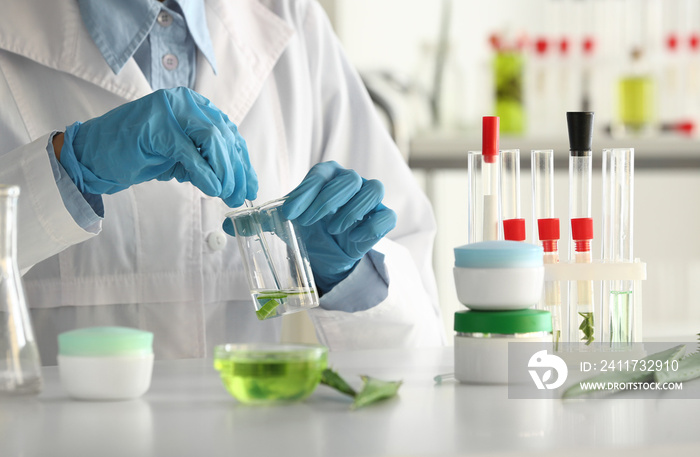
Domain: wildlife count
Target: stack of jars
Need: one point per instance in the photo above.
(499, 282)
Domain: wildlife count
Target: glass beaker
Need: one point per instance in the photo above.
(20, 366)
(275, 260)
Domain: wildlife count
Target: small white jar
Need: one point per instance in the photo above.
(105, 363)
(481, 341)
(499, 275)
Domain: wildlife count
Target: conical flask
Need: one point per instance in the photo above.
(20, 366)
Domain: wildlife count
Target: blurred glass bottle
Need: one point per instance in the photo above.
(636, 94)
(20, 366)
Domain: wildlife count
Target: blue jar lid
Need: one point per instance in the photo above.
(498, 254)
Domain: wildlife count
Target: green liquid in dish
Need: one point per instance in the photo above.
(273, 303)
(275, 378)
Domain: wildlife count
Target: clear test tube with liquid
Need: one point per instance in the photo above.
(581, 312)
(483, 169)
(618, 238)
(513, 223)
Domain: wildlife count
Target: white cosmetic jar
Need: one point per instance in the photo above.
(499, 275)
(105, 363)
(482, 338)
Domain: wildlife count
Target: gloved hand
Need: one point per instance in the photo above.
(173, 133)
(340, 217)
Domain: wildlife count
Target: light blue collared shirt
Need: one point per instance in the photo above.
(162, 37)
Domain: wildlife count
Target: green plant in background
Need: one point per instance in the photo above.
(508, 81)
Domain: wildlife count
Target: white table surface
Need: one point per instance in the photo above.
(187, 412)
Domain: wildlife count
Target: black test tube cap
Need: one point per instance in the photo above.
(580, 125)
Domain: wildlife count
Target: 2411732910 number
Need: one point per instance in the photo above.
(639, 365)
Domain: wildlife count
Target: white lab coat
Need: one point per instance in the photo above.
(154, 262)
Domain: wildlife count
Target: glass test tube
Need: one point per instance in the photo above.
(483, 202)
(580, 174)
(581, 304)
(542, 168)
(618, 237)
(513, 223)
(484, 171)
(475, 198)
(581, 307)
(546, 231)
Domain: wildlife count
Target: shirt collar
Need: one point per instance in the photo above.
(118, 27)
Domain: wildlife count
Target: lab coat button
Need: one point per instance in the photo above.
(170, 61)
(165, 19)
(216, 241)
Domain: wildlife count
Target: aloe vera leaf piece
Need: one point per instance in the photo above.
(622, 377)
(267, 309)
(374, 390)
(587, 327)
(269, 295)
(335, 381)
(688, 368)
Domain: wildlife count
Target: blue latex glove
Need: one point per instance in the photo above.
(340, 217)
(168, 134)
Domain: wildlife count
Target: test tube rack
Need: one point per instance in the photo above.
(602, 273)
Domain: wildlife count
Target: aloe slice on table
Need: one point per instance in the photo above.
(335, 381)
(373, 390)
(622, 377)
(688, 368)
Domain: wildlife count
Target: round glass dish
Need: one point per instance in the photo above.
(264, 374)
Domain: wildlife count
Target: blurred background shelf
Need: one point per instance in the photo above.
(444, 150)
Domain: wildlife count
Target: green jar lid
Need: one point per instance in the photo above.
(503, 322)
(105, 341)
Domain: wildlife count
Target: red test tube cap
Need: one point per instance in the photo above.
(489, 138)
(582, 228)
(514, 229)
(548, 229)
